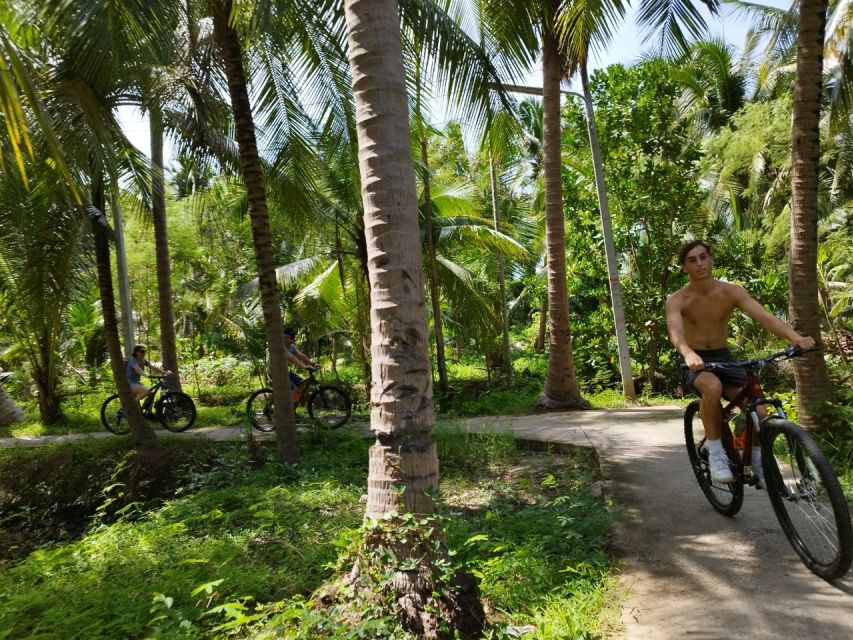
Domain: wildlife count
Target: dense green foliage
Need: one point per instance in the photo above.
(215, 547)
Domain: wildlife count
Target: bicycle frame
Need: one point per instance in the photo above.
(751, 397)
(148, 402)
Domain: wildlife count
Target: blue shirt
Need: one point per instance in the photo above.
(132, 374)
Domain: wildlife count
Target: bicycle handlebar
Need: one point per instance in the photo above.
(785, 354)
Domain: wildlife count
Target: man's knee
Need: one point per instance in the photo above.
(709, 386)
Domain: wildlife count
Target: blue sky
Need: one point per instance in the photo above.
(626, 48)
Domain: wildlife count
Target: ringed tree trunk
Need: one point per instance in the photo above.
(561, 385)
(434, 294)
(287, 444)
(403, 468)
(168, 346)
(140, 432)
(810, 373)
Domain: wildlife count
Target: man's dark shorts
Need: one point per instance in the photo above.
(734, 377)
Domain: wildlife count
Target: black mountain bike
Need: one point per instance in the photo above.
(328, 406)
(802, 487)
(173, 409)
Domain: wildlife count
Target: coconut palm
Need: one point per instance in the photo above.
(404, 456)
(813, 383)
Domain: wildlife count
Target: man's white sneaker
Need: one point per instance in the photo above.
(720, 470)
(758, 472)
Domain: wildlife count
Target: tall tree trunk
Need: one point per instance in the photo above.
(140, 432)
(404, 456)
(609, 247)
(123, 277)
(496, 219)
(561, 385)
(403, 468)
(252, 169)
(813, 383)
(168, 346)
(435, 297)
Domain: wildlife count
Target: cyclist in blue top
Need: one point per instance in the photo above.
(296, 357)
(136, 369)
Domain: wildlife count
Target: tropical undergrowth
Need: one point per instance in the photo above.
(225, 549)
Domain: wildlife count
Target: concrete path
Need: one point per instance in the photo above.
(689, 573)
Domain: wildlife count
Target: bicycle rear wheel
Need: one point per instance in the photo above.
(112, 416)
(260, 410)
(175, 411)
(329, 406)
(725, 498)
(807, 498)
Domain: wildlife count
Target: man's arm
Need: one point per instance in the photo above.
(675, 328)
(778, 327)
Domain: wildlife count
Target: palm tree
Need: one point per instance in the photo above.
(42, 265)
(812, 377)
(253, 177)
(403, 462)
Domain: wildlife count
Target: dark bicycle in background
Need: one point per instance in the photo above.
(803, 489)
(327, 405)
(175, 410)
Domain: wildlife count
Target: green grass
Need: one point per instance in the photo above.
(235, 551)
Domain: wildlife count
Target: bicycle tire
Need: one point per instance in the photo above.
(807, 498)
(329, 406)
(175, 411)
(727, 499)
(260, 410)
(112, 416)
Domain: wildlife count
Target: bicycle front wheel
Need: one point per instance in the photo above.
(725, 498)
(807, 498)
(112, 416)
(329, 407)
(260, 410)
(176, 411)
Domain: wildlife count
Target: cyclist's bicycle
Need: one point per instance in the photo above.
(173, 409)
(327, 405)
(802, 487)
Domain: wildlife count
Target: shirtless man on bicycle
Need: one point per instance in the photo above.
(697, 318)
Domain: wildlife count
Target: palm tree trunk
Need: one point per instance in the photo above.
(168, 346)
(435, 298)
(812, 378)
(250, 163)
(561, 385)
(496, 218)
(123, 277)
(404, 456)
(168, 343)
(403, 468)
(609, 248)
(140, 432)
(9, 411)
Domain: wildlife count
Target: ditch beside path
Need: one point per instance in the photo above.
(688, 571)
